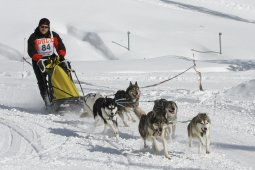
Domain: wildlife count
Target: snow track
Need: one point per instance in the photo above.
(32, 138)
(207, 11)
(17, 136)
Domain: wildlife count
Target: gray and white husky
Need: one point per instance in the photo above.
(169, 108)
(153, 126)
(199, 128)
(129, 101)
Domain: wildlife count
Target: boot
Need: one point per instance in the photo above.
(46, 101)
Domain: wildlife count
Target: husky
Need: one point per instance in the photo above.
(106, 109)
(169, 109)
(154, 126)
(199, 128)
(89, 100)
(129, 101)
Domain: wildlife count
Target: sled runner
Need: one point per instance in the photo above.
(61, 90)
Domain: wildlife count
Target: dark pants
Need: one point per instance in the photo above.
(41, 80)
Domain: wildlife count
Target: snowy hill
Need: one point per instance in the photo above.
(162, 36)
(245, 91)
(158, 28)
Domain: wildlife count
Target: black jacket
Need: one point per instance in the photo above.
(32, 45)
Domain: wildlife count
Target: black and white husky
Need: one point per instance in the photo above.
(154, 126)
(129, 101)
(199, 128)
(169, 108)
(106, 109)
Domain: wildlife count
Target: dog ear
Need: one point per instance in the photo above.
(156, 101)
(115, 102)
(199, 114)
(207, 117)
(130, 84)
(163, 102)
(136, 83)
(176, 106)
(203, 115)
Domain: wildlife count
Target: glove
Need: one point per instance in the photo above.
(42, 63)
(53, 58)
(46, 62)
(61, 58)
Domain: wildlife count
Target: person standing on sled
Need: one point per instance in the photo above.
(41, 45)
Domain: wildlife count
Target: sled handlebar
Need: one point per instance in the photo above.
(41, 64)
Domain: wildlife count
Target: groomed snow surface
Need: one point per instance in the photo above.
(163, 32)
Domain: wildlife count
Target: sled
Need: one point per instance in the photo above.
(62, 93)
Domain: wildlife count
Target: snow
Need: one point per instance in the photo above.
(163, 32)
(244, 90)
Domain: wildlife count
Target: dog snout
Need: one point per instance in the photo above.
(205, 129)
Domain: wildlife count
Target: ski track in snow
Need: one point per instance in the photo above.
(200, 9)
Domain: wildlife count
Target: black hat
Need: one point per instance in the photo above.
(44, 21)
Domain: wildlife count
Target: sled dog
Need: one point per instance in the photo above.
(129, 101)
(199, 128)
(106, 109)
(153, 126)
(90, 100)
(169, 109)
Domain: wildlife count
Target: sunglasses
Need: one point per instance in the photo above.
(44, 27)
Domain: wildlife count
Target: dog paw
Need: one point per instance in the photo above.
(207, 152)
(168, 157)
(117, 137)
(117, 140)
(156, 148)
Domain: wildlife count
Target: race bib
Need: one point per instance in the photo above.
(45, 46)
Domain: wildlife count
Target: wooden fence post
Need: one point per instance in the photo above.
(199, 74)
(220, 42)
(128, 33)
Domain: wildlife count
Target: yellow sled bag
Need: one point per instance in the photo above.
(62, 84)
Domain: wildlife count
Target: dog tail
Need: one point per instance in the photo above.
(189, 129)
(139, 112)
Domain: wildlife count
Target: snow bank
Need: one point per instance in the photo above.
(243, 91)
